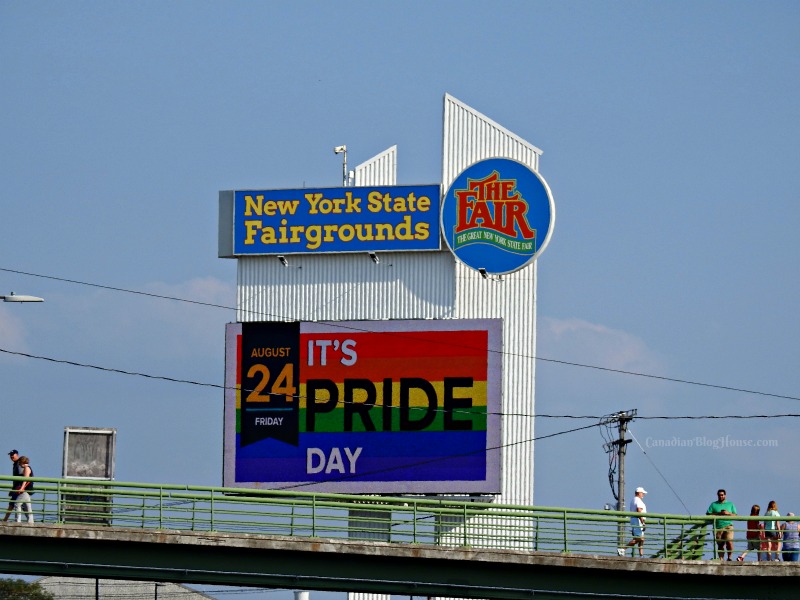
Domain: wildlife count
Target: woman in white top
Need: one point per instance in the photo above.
(23, 495)
(772, 530)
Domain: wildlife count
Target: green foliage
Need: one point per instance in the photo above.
(18, 589)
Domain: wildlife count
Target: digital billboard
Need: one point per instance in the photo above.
(364, 407)
(318, 220)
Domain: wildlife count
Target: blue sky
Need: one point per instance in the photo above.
(669, 133)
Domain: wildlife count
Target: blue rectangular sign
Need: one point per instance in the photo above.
(346, 219)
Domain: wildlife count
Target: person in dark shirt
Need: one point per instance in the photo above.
(16, 472)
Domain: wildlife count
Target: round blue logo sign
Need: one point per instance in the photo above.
(498, 216)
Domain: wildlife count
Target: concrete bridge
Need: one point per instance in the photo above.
(379, 567)
(296, 541)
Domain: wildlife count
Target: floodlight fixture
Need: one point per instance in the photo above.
(20, 298)
(283, 260)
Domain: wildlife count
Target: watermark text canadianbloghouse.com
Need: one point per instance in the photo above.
(715, 443)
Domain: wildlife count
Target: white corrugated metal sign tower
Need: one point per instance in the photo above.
(420, 285)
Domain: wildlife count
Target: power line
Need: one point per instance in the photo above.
(109, 369)
(674, 418)
(213, 385)
(353, 328)
(346, 477)
(435, 459)
(530, 416)
(333, 479)
(116, 289)
(660, 473)
(671, 379)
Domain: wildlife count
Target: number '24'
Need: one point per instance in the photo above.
(281, 386)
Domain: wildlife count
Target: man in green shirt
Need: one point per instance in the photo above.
(723, 528)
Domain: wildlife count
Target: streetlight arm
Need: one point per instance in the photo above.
(20, 298)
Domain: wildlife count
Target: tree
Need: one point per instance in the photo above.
(19, 589)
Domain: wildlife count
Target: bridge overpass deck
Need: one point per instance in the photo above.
(410, 546)
(377, 567)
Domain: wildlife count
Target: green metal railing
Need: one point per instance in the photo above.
(402, 520)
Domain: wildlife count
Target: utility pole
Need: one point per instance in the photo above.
(618, 447)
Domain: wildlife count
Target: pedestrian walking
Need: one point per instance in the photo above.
(637, 522)
(24, 491)
(15, 471)
(755, 534)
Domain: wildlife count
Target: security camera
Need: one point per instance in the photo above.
(339, 149)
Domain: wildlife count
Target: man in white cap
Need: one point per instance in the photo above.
(637, 523)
